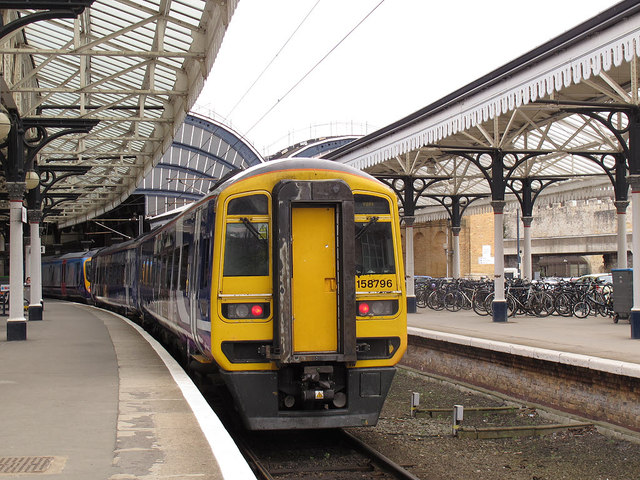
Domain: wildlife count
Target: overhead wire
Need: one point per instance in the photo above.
(304, 19)
(298, 82)
(273, 59)
(316, 65)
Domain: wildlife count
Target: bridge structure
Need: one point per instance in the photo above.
(565, 112)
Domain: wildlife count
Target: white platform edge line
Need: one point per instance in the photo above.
(574, 359)
(232, 464)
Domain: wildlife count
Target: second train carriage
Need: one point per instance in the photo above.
(289, 278)
(68, 276)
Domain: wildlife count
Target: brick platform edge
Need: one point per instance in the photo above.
(535, 375)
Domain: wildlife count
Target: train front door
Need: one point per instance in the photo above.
(313, 283)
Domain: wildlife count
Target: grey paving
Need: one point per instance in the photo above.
(594, 336)
(88, 391)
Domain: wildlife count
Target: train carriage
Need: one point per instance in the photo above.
(68, 276)
(288, 278)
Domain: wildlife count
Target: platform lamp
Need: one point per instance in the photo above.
(5, 126)
(32, 179)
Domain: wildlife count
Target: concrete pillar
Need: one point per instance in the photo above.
(526, 253)
(621, 209)
(499, 302)
(16, 323)
(456, 252)
(409, 265)
(35, 303)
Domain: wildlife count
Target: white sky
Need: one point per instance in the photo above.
(404, 56)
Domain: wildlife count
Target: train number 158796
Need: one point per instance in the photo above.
(370, 283)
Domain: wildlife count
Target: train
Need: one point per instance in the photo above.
(287, 280)
(68, 276)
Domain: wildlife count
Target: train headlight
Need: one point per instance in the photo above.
(377, 308)
(240, 311)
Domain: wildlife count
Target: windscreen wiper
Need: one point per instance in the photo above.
(366, 227)
(254, 231)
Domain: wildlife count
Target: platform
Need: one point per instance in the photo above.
(592, 342)
(89, 396)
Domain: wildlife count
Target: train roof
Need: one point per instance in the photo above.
(72, 255)
(293, 164)
(297, 163)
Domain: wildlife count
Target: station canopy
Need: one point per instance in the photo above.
(137, 66)
(559, 114)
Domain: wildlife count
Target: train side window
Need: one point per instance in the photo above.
(169, 270)
(184, 268)
(204, 270)
(176, 266)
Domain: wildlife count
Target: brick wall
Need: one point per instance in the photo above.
(596, 395)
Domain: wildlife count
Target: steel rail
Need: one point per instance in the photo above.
(382, 461)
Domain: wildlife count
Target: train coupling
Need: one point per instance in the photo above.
(318, 386)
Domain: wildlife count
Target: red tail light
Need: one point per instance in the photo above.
(363, 308)
(377, 308)
(236, 311)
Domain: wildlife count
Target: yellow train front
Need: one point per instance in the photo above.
(308, 305)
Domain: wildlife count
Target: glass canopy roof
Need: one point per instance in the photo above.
(137, 66)
(559, 114)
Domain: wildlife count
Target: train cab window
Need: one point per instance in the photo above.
(370, 205)
(374, 248)
(249, 205)
(246, 251)
(373, 236)
(88, 270)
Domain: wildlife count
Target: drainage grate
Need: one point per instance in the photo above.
(25, 464)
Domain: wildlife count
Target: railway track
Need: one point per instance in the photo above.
(329, 454)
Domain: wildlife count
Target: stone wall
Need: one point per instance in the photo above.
(583, 229)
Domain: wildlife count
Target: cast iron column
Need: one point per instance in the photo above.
(633, 158)
(35, 302)
(456, 251)
(410, 271)
(498, 203)
(621, 210)
(16, 323)
(634, 181)
(499, 302)
(526, 258)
